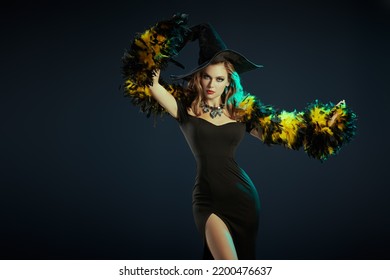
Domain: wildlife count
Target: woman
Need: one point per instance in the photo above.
(214, 112)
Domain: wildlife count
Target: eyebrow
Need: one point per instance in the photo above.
(205, 73)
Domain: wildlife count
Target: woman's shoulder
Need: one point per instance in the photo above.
(184, 107)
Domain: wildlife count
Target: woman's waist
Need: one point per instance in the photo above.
(210, 163)
(214, 157)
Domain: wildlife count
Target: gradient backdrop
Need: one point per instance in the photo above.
(84, 175)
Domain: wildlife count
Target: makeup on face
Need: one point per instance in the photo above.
(214, 80)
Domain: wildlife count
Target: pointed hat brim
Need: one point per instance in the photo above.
(240, 62)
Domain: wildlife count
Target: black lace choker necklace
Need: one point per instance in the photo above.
(214, 111)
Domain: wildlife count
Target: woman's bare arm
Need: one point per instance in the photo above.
(162, 96)
(256, 133)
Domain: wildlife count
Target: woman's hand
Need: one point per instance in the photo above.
(156, 76)
(340, 103)
(336, 114)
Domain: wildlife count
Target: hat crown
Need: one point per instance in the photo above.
(210, 43)
(212, 48)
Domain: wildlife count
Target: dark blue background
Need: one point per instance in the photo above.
(84, 175)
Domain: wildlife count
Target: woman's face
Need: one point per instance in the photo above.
(214, 80)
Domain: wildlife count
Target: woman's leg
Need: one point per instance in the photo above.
(219, 239)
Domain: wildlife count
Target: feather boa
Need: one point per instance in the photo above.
(309, 128)
(149, 51)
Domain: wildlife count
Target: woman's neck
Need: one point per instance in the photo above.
(214, 102)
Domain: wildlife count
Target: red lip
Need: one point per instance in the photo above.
(210, 91)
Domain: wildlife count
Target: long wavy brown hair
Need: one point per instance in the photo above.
(195, 90)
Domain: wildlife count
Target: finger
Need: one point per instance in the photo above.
(341, 102)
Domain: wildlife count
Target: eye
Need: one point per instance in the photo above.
(206, 77)
(220, 79)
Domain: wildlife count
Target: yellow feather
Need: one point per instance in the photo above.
(147, 91)
(275, 136)
(265, 121)
(247, 105)
(139, 43)
(146, 36)
(161, 38)
(341, 126)
(290, 124)
(133, 89)
(327, 130)
(318, 115)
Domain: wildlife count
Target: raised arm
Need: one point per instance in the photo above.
(162, 96)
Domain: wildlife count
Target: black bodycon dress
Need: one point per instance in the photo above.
(221, 186)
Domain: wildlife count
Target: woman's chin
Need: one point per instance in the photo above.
(212, 96)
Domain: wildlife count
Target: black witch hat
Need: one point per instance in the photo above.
(213, 49)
